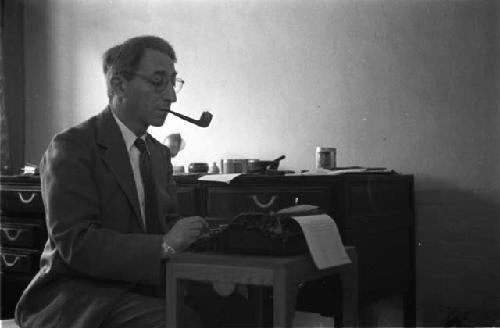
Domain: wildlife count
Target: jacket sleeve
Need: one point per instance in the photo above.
(75, 224)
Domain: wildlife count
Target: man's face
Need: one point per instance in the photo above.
(145, 104)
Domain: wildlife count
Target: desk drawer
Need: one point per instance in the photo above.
(230, 201)
(19, 260)
(24, 234)
(187, 200)
(379, 198)
(21, 199)
(370, 224)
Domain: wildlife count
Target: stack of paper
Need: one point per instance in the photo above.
(227, 178)
(323, 239)
(342, 171)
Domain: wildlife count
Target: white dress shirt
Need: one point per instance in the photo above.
(133, 154)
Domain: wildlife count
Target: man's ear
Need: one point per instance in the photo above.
(118, 85)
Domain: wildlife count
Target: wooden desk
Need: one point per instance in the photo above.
(282, 273)
(374, 213)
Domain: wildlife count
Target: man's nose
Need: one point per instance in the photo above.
(169, 94)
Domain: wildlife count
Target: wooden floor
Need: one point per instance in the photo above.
(306, 319)
(385, 313)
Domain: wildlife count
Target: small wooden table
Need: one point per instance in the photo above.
(282, 273)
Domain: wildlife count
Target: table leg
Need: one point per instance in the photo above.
(409, 308)
(284, 299)
(349, 281)
(256, 296)
(174, 298)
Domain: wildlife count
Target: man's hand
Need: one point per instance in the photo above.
(185, 232)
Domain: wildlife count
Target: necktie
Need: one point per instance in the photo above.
(150, 203)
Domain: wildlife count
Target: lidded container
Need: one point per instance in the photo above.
(234, 165)
(326, 158)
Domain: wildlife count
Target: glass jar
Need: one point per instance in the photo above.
(326, 158)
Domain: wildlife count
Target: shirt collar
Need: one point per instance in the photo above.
(128, 136)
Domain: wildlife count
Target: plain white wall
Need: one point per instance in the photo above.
(409, 85)
(376, 79)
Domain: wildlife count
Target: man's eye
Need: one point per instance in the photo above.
(158, 80)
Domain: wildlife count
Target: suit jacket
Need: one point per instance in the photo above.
(97, 248)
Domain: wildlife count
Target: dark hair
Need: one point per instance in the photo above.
(124, 58)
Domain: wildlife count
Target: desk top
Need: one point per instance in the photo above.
(258, 179)
(243, 259)
(297, 266)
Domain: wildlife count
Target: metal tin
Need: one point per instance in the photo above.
(235, 166)
(326, 158)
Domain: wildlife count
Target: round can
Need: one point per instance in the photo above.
(235, 166)
(326, 158)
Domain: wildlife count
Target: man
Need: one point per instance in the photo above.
(110, 203)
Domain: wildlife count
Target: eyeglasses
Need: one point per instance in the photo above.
(160, 82)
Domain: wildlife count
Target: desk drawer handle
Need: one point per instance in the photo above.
(26, 201)
(262, 205)
(15, 233)
(10, 264)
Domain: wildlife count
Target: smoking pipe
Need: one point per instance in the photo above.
(204, 121)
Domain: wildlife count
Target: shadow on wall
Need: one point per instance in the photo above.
(458, 257)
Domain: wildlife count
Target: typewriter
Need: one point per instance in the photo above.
(274, 233)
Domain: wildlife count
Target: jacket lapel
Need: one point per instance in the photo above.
(115, 155)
